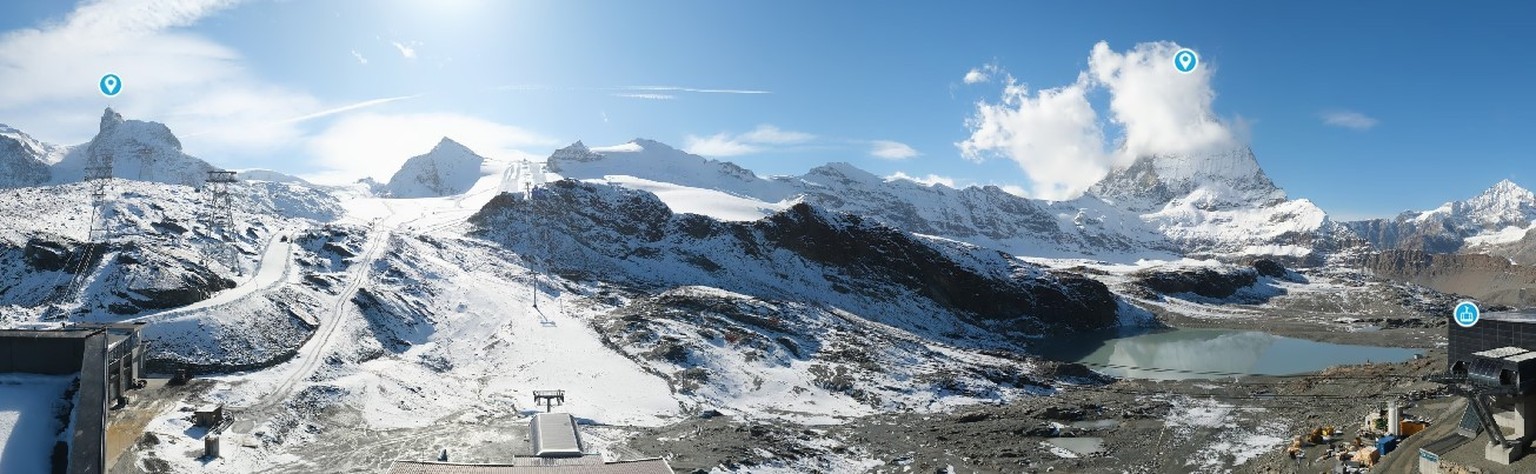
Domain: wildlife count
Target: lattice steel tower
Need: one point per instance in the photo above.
(98, 176)
(221, 217)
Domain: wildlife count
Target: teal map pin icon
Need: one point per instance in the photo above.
(110, 85)
(1186, 60)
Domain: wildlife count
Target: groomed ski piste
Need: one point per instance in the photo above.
(365, 389)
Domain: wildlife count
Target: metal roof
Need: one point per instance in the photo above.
(554, 434)
(1500, 353)
(647, 466)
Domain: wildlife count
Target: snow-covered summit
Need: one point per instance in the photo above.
(450, 168)
(1501, 214)
(134, 149)
(656, 161)
(23, 160)
(1221, 203)
(1213, 181)
(1504, 204)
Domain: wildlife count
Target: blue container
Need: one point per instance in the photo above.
(1386, 444)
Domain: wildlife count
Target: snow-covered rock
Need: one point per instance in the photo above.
(134, 149)
(450, 168)
(268, 175)
(1503, 214)
(22, 159)
(1221, 204)
(986, 216)
(803, 253)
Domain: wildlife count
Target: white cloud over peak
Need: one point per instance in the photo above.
(1348, 119)
(375, 145)
(754, 141)
(891, 150)
(1161, 109)
(199, 88)
(1052, 134)
(928, 180)
(1057, 137)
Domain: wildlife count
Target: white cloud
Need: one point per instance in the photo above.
(375, 145)
(1161, 109)
(648, 96)
(754, 141)
(1053, 135)
(1348, 119)
(719, 144)
(983, 73)
(891, 150)
(360, 59)
(406, 51)
(929, 180)
(169, 75)
(1056, 136)
(768, 134)
(1015, 190)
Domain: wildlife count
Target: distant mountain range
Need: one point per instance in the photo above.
(1217, 204)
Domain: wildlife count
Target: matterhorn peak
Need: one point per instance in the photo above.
(110, 119)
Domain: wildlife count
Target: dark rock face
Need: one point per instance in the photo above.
(1403, 233)
(1207, 282)
(1269, 268)
(45, 255)
(599, 228)
(879, 250)
(1489, 279)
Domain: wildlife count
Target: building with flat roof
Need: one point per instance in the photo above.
(104, 363)
(1492, 363)
(644, 466)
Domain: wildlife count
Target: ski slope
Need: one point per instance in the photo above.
(275, 268)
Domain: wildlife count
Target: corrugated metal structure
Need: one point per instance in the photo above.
(646, 466)
(554, 435)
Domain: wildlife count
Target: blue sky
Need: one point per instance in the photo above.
(1431, 101)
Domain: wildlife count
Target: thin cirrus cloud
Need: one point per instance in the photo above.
(645, 95)
(757, 140)
(1348, 119)
(891, 150)
(696, 90)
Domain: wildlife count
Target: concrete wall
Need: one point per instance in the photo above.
(42, 352)
(88, 452)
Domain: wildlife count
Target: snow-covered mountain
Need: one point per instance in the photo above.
(802, 253)
(450, 168)
(269, 175)
(1503, 214)
(1221, 204)
(134, 149)
(23, 160)
(985, 216)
